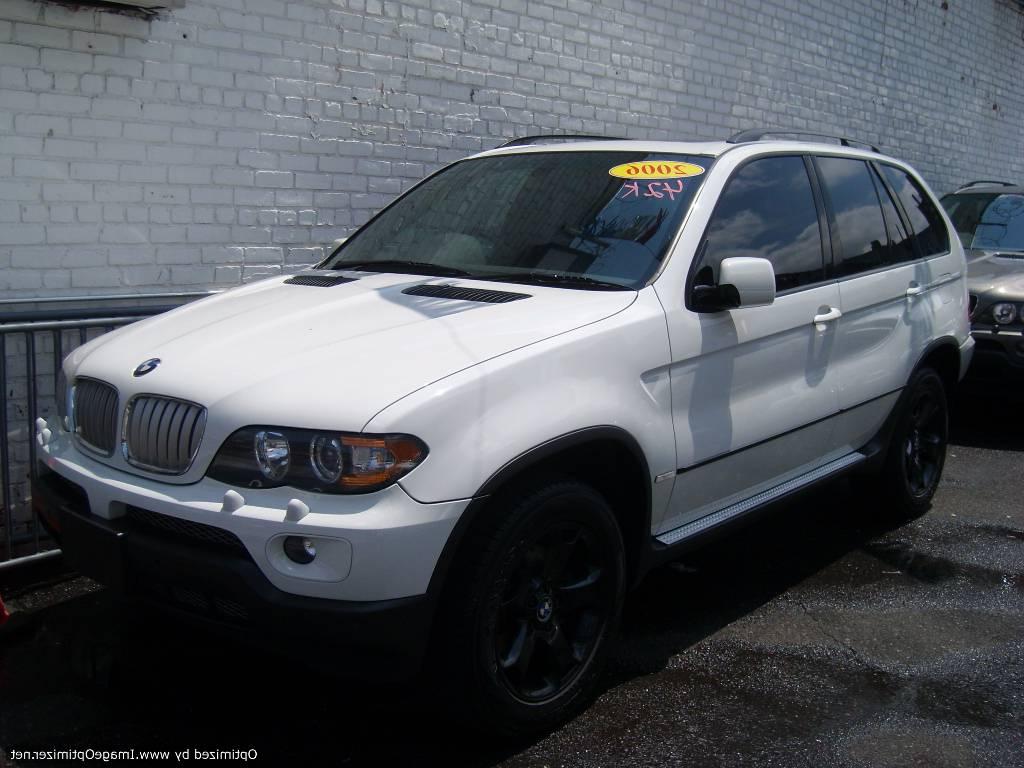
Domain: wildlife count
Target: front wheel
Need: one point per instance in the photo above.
(917, 451)
(534, 605)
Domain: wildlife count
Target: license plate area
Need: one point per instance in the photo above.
(93, 548)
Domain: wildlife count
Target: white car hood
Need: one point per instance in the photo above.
(328, 358)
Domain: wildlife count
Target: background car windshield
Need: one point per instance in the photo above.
(990, 222)
(538, 214)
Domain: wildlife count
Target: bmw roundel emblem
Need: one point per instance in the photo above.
(143, 368)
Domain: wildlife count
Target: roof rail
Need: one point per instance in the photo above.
(524, 141)
(756, 134)
(986, 181)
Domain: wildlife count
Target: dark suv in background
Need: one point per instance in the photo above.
(989, 219)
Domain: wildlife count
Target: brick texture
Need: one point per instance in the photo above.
(231, 139)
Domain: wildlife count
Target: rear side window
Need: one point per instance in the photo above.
(901, 244)
(925, 221)
(863, 239)
(767, 210)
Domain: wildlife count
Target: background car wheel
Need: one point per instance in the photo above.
(533, 607)
(917, 451)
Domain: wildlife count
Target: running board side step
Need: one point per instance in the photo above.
(759, 500)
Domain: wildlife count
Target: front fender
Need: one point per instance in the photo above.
(610, 373)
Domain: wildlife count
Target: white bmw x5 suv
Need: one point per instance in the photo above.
(541, 372)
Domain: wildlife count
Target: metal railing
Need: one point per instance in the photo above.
(35, 336)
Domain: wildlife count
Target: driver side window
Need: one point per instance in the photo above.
(767, 210)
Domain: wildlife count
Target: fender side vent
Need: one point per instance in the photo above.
(319, 281)
(464, 294)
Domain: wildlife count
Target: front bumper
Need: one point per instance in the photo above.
(998, 355)
(377, 546)
(213, 580)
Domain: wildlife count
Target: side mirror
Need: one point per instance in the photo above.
(753, 279)
(743, 281)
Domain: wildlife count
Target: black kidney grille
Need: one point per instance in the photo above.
(465, 294)
(319, 281)
(96, 415)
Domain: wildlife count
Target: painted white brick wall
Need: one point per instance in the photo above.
(230, 139)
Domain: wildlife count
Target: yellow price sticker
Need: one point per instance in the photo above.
(656, 169)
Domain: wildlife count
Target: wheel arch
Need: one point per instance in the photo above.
(608, 458)
(943, 354)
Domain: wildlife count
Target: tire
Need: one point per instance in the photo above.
(917, 449)
(532, 608)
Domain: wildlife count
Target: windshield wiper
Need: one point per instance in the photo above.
(540, 278)
(402, 266)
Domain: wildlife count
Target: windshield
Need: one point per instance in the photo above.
(579, 219)
(992, 222)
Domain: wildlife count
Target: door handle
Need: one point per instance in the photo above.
(915, 290)
(826, 317)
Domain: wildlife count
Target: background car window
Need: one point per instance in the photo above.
(858, 214)
(901, 244)
(767, 210)
(925, 220)
(988, 221)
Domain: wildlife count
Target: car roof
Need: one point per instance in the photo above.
(707, 148)
(990, 188)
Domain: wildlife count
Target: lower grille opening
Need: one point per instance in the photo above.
(174, 527)
(194, 600)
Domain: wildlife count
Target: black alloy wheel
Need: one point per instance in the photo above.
(917, 450)
(558, 597)
(924, 448)
(532, 609)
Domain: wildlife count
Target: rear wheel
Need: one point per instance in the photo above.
(533, 608)
(917, 451)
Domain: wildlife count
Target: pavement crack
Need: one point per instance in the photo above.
(850, 652)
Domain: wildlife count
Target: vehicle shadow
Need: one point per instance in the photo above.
(679, 605)
(88, 677)
(984, 415)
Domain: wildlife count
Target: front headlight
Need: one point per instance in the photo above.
(325, 462)
(1004, 313)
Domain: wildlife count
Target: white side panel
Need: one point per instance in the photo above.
(882, 332)
(853, 429)
(613, 372)
(885, 330)
(731, 479)
(745, 376)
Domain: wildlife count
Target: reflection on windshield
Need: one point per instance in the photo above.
(988, 222)
(551, 214)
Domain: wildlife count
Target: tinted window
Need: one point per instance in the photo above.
(988, 221)
(925, 220)
(901, 244)
(767, 210)
(858, 215)
(518, 217)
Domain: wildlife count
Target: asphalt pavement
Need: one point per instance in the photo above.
(821, 636)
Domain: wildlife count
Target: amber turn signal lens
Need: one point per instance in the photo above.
(379, 461)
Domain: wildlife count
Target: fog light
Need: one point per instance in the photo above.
(299, 550)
